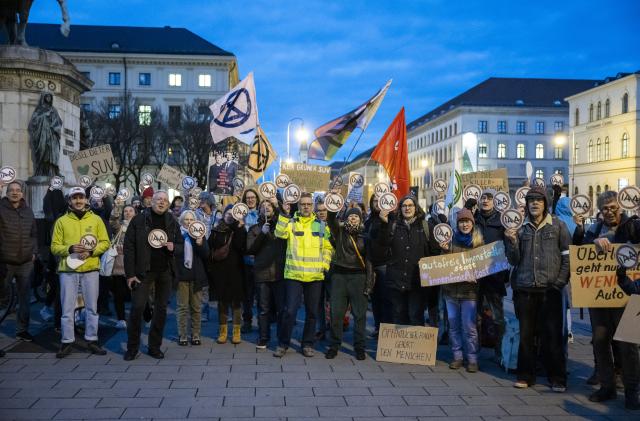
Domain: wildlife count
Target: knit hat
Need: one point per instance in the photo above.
(490, 193)
(208, 198)
(464, 214)
(353, 211)
(148, 192)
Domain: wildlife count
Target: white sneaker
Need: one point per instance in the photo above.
(46, 314)
(121, 324)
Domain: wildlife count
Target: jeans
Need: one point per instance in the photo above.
(161, 284)
(294, 292)
(380, 304)
(271, 297)
(90, 286)
(22, 273)
(249, 296)
(188, 303)
(348, 288)
(540, 311)
(407, 307)
(463, 330)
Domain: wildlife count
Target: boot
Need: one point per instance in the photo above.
(222, 337)
(235, 338)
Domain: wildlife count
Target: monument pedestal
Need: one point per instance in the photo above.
(36, 190)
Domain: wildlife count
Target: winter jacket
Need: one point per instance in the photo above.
(626, 284)
(18, 234)
(461, 290)
(628, 231)
(378, 254)
(197, 274)
(119, 229)
(269, 251)
(68, 230)
(492, 230)
(228, 274)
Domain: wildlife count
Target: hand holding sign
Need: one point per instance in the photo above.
(7, 175)
(472, 191)
(442, 233)
(521, 194)
(157, 238)
(282, 181)
(629, 197)
(388, 202)
(580, 204)
(381, 188)
(197, 230)
(501, 201)
(334, 202)
(268, 190)
(627, 256)
(291, 194)
(239, 211)
(440, 185)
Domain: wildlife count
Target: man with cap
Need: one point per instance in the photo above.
(539, 253)
(74, 234)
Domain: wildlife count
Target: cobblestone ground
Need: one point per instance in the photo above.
(233, 382)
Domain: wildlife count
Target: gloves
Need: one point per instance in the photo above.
(265, 228)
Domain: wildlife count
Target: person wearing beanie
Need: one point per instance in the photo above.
(537, 289)
(147, 195)
(209, 214)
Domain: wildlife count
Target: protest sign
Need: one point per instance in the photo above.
(7, 174)
(593, 277)
(308, 177)
(95, 162)
(170, 176)
(407, 344)
(356, 184)
(440, 185)
(463, 267)
(628, 327)
(224, 167)
(497, 179)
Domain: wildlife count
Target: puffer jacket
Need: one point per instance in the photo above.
(492, 230)
(269, 252)
(18, 234)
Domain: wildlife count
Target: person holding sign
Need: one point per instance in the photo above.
(249, 198)
(119, 220)
(614, 227)
(539, 253)
(148, 263)
(67, 242)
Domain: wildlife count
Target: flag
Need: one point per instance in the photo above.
(392, 153)
(261, 155)
(453, 199)
(332, 135)
(236, 112)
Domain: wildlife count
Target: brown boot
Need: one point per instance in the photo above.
(235, 338)
(222, 337)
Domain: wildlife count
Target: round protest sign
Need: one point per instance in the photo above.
(124, 194)
(521, 194)
(381, 188)
(627, 256)
(557, 180)
(629, 197)
(56, 183)
(146, 179)
(440, 207)
(7, 174)
(157, 238)
(472, 191)
(440, 185)
(238, 185)
(268, 190)
(239, 211)
(197, 229)
(334, 202)
(511, 219)
(194, 203)
(501, 201)
(337, 182)
(188, 183)
(291, 194)
(442, 233)
(580, 204)
(110, 191)
(89, 241)
(96, 192)
(388, 202)
(195, 192)
(539, 182)
(282, 181)
(356, 180)
(85, 181)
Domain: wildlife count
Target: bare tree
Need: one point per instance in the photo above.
(147, 149)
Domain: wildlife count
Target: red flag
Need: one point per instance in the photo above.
(393, 154)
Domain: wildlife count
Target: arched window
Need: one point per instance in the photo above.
(625, 146)
(598, 150)
(576, 121)
(576, 150)
(606, 187)
(539, 151)
(521, 152)
(607, 154)
(591, 193)
(599, 111)
(590, 152)
(502, 150)
(607, 108)
(590, 113)
(598, 191)
(625, 103)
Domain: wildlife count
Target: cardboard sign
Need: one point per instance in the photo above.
(497, 179)
(472, 191)
(95, 162)
(521, 195)
(629, 198)
(334, 202)
(501, 201)
(627, 330)
(463, 267)
(388, 202)
(593, 277)
(309, 177)
(442, 233)
(580, 204)
(268, 190)
(7, 174)
(511, 219)
(157, 238)
(407, 344)
(439, 185)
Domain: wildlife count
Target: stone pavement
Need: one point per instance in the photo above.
(234, 382)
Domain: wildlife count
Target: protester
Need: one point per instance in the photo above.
(538, 288)
(462, 297)
(176, 206)
(121, 215)
(208, 213)
(323, 323)
(68, 232)
(135, 202)
(269, 253)
(190, 262)
(308, 257)
(227, 244)
(149, 267)
(249, 198)
(18, 250)
(147, 197)
(615, 227)
(562, 210)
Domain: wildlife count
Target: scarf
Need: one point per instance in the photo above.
(463, 239)
(351, 228)
(410, 221)
(188, 248)
(79, 214)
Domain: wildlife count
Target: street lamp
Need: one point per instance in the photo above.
(560, 140)
(289, 136)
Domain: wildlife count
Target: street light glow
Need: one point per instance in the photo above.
(302, 134)
(560, 140)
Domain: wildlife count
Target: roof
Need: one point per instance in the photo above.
(512, 92)
(120, 39)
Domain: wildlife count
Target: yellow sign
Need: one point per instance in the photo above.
(497, 179)
(310, 178)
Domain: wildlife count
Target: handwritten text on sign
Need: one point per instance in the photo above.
(463, 267)
(407, 344)
(170, 176)
(95, 162)
(593, 278)
(310, 178)
(497, 179)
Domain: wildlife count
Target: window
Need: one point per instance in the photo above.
(625, 103)
(598, 150)
(502, 150)
(599, 112)
(455, 128)
(558, 171)
(576, 120)
(539, 127)
(502, 126)
(144, 115)
(521, 127)
(86, 107)
(557, 152)
(607, 108)
(558, 126)
(590, 113)
(576, 149)
(114, 78)
(144, 79)
(114, 110)
(86, 74)
(625, 146)
(175, 113)
(590, 152)
(539, 151)
(483, 150)
(204, 81)
(607, 154)
(521, 151)
(482, 126)
(175, 79)
(622, 183)
(540, 173)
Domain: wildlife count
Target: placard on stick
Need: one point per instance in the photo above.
(95, 162)
(407, 344)
(628, 327)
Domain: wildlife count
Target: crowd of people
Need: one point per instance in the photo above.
(280, 256)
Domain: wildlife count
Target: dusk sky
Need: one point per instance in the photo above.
(320, 59)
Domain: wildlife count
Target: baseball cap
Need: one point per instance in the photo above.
(77, 190)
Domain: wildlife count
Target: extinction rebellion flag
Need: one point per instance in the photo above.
(261, 155)
(236, 112)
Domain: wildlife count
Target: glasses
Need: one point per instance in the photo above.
(612, 209)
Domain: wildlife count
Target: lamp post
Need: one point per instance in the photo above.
(289, 135)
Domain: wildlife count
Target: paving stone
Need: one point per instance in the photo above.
(8, 392)
(129, 403)
(405, 391)
(93, 413)
(534, 410)
(374, 400)
(29, 414)
(310, 401)
(74, 375)
(288, 411)
(335, 391)
(58, 392)
(492, 400)
(310, 383)
(107, 393)
(328, 375)
(284, 391)
(254, 401)
(221, 411)
(167, 393)
(101, 384)
(410, 411)
(191, 401)
(66, 403)
(263, 382)
(143, 384)
(223, 391)
(365, 383)
(17, 402)
(434, 400)
(481, 410)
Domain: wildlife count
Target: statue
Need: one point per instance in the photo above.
(12, 10)
(45, 129)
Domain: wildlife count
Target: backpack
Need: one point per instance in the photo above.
(510, 344)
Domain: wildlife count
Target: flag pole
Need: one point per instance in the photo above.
(347, 158)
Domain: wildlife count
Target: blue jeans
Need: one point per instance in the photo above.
(294, 291)
(90, 286)
(463, 331)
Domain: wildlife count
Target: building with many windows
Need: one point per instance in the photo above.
(603, 135)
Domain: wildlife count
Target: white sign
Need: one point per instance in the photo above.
(124, 194)
(194, 203)
(388, 202)
(282, 181)
(268, 190)
(239, 211)
(195, 192)
(291, 194)
(188, 183)
(356, 185)
(440, 185)
(56, 183)
(472, 191)
(580, 204)
(442, 233)
(85, 181)
(521, 195)
(7, 174)
(146, 179)
(381, 188)
(627, 256)
(89, 241)
(157, 238)
(440, 207)
(539, 182)
(197, 229)
(511, 219)
(96, 192)
(629, 197)
(557, 180)
(334, 202)
(501, 201)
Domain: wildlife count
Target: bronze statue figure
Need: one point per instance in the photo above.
(13, 10)
(45, 129)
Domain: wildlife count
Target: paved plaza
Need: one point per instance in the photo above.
(239, 382)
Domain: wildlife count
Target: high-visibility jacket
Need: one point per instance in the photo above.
(68, 230)
(308, 247)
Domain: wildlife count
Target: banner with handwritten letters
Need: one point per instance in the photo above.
(308, 177)
(497, 179)
(593, 277)
(170, 176)
(463, 267)
(407, 344)
(628, 327)
(95, 162)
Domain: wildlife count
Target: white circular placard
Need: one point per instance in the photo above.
(472, 191)
(538, 182)
(440, 185)
(442, 233)
(85, 181)
(629, 197)
(388, 202)
(521, 195)
(557, 180)
(440, 207)
(581, 204)
(89, 241)
(627, 256)
(197, 229)
(282, 181)
(124, 193)
(146, 179)
(188, 183)
(239, 211)
(501, 201)
(334, 202)
(56, 183)
(381, 188)
(194, 203)
(337, 182)
(96, 192)
(511, 218)
(356, 180)
(157, 238)
(291, 194)
(7, 174)
(195, 192)
(268, 190)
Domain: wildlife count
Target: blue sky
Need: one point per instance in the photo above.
(319, 59)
